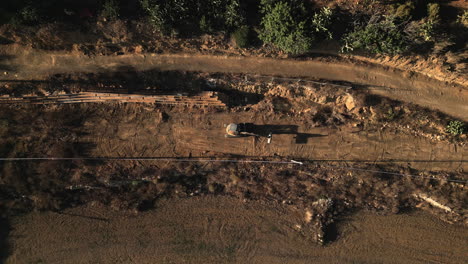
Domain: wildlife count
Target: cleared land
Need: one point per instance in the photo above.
(264, 220)
(226, 230)
(404, 86)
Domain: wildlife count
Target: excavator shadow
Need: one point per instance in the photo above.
(265, 130)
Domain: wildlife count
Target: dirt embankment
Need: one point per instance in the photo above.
(27, 64)
(226, 230)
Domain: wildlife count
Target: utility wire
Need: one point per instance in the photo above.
(396, 174)
(226, 161)
(149, 159)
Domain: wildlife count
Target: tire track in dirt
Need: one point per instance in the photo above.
(397, 84)
(203, 136)
(238, 232)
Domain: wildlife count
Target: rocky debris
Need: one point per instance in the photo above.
(349, 102)
(320, 215)
(432, 202)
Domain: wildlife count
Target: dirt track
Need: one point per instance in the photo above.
(225, 230)
(405, 86)
(130, 133)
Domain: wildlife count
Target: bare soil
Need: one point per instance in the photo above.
(226, 230)
(346, 137)
(407, 86)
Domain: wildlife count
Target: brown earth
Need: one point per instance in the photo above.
(226, 230)
(323, 127)
(407, 86)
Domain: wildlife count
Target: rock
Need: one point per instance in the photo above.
(350, 103)
(322, 100)
(138, 49)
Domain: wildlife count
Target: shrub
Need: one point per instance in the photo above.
(234, 16)
(154, 12)
(205, 25)
(29, 15)
(321, 21)
(427, 30)
(403, 11)
(110, 10)
(456, 127)
(283, 27)
(433, 11)
(379, 35)
(194, 15)
(242, 36)
(463, 18)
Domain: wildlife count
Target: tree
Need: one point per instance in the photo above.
(110, 10)
(378, 35)
(283, 26)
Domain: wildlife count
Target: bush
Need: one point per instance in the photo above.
(242, 36)
(205, 25)
(463, 18)
(155, 14)
(403, 11)
(321, 21)
(379, 35)
(427, 30)
(110, 10)
(234, 16)
(283, 26)
(29, 15)
(456, 128)
(194, 15)
(433, 11)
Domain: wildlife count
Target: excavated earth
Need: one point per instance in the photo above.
(347, 132)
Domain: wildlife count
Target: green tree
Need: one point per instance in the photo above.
(321, 21)
(110, 10)
(154, 12)
(284, 26)
(378, 35)
(234, 16)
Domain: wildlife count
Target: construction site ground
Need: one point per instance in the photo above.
(226, 230)
(350, 123)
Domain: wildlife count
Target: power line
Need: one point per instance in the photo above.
(149, 159)
(224, 161)
(397, 174)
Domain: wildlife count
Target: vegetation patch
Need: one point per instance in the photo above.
(284, 26)
(378, 35)
(456, 127)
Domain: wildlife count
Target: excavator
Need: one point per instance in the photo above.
(235, 130)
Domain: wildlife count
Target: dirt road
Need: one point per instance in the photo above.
(27, 64)
(131, 132)
(226, 230)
